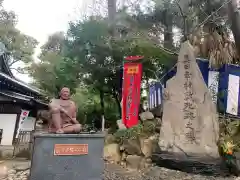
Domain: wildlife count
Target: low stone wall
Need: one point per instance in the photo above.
(133, 147)
(6, 152)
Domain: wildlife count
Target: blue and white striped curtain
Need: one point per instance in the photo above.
(233, 95)
(225, 81)
(155, 95)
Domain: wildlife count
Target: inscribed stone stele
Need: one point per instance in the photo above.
(190, 124)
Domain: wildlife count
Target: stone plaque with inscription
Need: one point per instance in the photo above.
(190, 124)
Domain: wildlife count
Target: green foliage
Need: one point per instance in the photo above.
(87, 102)
(20, 46)
(87, 58)
(146, 129)
(230, 131)
(97, 55)
(54, 70)
(89, 109)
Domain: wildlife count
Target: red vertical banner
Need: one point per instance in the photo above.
(132, 76)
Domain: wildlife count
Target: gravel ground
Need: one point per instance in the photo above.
(115, 172)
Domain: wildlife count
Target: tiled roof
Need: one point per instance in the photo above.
(6, 74)
(18, 96)
(20, 83)
(5, 65)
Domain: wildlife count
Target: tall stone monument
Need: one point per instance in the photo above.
(190, 126)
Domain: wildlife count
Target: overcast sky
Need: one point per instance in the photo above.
(41, 18)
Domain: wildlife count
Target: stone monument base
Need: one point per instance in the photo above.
(67, 156)
(180, 157)
(193, 164)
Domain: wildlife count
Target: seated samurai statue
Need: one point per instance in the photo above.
(63, 112)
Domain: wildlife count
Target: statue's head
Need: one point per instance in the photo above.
(65, 93)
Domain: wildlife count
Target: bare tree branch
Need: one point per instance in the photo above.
(13, 62)
(18, 70)
(184, 20)
(208, 18)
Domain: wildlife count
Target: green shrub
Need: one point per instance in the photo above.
(146, 129)
(230, 131)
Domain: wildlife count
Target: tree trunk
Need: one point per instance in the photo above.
(147, 83)
(112, 9)
(168, 26)
(117, 99)
(102, 109)
(234, 17)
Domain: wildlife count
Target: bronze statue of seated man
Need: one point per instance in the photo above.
(63, 112)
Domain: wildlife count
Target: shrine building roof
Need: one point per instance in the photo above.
(22, 98)
(7, 75)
